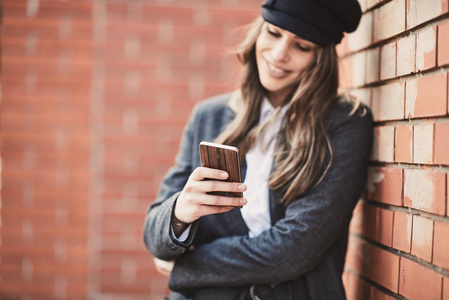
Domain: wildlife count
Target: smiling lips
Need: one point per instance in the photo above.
(276, 71)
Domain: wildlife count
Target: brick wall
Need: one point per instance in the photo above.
(45, 135)
(94, 98)
(397, 62)
(95, 95)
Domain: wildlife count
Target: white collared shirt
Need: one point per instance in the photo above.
(259, 160)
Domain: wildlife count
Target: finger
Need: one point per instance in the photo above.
(202, 173)
(207, 199)
(164, 267)
(163, 271)
(220, 186)
(206, 210)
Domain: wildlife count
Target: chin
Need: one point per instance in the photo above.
(271, 86)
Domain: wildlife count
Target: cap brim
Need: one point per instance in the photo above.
(298, 27)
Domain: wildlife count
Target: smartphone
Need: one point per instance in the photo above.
(222, 157)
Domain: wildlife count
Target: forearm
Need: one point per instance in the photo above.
(157, 228)
(282, 253)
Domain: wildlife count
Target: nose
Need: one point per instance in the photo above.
(280, 51)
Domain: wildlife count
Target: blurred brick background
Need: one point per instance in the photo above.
(94, 96)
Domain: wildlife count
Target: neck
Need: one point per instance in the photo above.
(276, 98)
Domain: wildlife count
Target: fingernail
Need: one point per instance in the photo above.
(242, 187)
(243, 201)
(223, 174)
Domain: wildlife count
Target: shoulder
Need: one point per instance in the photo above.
(214, 105)
(349, 110)
(211, 116)
(213, 111)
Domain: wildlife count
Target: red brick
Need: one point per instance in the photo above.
(426, 96)
(425, 190)
(48, 29)
(443, 44)
(370, 222)
(385, 227)
(378, 295)
(388, 61)
(402, 231)
(423, 143)
(356, 288)
(426, 47)
(384, 268)
(357, 249)
(50, 9)
(373, 61)
(383, 148)
(376, 264)
(50, 67)
(357, 69)
(345, 73)
(441, 246)
(422, 238)
(406, 55)
(419, 12)
(385, 185)
(388, 102)
(389, 20)
(418, 282)
(442, 143)
(446, 288)
(403, 151)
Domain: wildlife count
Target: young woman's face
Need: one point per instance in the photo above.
(281, 57)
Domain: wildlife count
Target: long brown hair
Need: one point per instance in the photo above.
(302, 144)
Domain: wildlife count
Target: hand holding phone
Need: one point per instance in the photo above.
(222, 157)
(198, 197)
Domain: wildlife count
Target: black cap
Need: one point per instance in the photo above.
(319, 21)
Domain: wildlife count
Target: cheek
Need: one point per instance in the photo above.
(304, 62)
(259, 46)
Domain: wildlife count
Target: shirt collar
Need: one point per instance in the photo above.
(267, 109)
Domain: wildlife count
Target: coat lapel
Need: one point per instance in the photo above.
(277, 209)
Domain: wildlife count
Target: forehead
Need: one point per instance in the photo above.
(289, 34)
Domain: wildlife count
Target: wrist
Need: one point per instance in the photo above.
(178, 226)
(178, 223)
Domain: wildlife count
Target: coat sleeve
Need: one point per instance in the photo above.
(298, 242)
(156, 229)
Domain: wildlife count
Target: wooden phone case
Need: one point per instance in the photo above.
(225, 158)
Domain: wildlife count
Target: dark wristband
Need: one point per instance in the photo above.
(178, 226)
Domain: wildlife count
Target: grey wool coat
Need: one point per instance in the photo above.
(301, 256)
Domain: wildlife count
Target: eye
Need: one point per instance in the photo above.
(272, 33)
(303, 49)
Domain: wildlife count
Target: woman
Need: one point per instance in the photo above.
(304, 152)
